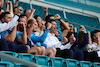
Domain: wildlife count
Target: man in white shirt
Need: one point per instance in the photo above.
(96, 42)
(52, 41)
(5, 26)
(10, 24)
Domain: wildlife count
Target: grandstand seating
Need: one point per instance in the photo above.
(6, 64)
(10, 53)
(71, 17)
(41, 60)
(19, 65)
(56, 61)
(70, 63)
(96, 64)
(46, 61)
(85, 64)
(84, 20)
(26, 56)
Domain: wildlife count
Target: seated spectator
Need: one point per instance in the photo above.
(52, 41)
(64, 25)
(10, 24)
(88, 54)
(22, 36)
(94, 47)
(74, 47)
(32, 27)
(10, 36)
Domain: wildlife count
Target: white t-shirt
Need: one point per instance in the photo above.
(96, 47)
(52, 41)
(39, 33)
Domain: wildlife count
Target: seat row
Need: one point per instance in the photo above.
(45, 61)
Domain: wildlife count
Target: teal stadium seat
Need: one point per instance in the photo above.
(81, 19)
(19, 65)
(96, 64)
(26, 56)
(6, 64)
(44, 66)
(85, 64)
(9, 53)
(70, 63)
(41, 59)
(56, 62)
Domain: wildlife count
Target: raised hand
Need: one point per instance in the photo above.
(82, 28)
(44, 8)
(33, 10)
(65, 40)
(57, 16)
(49, 25)
(71, 27)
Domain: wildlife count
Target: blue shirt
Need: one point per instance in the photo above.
(41, 38)
(38, 40)
(18, 33)
(4, 33)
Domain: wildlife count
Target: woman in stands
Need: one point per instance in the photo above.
(41, 23)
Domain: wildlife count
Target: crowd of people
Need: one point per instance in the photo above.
(26, 33)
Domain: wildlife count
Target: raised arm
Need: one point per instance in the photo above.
(23, 37)
(89, 38)
(31, 15)
(16, 3)
(29, 30)
(98, 40)
(45, 9)
(9, 6)
(1, 3)
(41, 38)
(12, 35)
(85, 41)
(64, 24)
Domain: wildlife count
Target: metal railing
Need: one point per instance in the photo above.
(18, 60)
